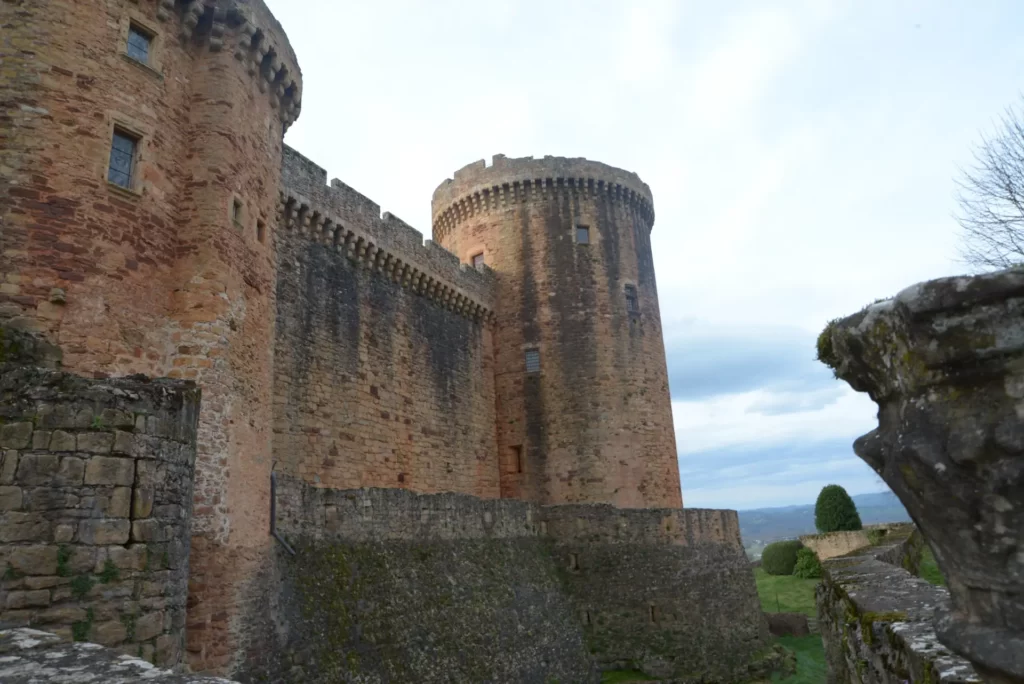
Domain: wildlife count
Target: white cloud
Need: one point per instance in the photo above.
(738, 419)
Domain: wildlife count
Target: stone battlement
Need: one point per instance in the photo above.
(477, 187)
(352, 223)
(258, 41)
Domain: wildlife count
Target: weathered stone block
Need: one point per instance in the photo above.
(16, 435)
(10, 498)
(116, 503)
(40, 440)
(28, 599)
(95, 442)
(104, 532)
(64, 532)
(132, 557)
(16, 527)
(9, 466)
(33, 560)
(110, 470)
(142, 503)
(109, 633)
(37, 469)
(124, 443)
(72, 472)
(44, 582)
(62, 614)
(149, 626)
(167, 650)
(116, 418)
(149, 530)
(62, 441)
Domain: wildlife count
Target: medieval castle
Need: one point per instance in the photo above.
(470, 438)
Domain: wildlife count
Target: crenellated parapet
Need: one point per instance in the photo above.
(478, 188)
(337, 216)
(249, 29)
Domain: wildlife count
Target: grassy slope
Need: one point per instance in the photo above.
(788, 594)
(930, 569)
(785, 593)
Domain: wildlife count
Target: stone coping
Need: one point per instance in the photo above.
(30, 656)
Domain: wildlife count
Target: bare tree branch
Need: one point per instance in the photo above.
(991, 198)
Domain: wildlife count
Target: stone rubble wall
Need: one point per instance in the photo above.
(877, 620)
(95, 505)
(28, 656)
(389, 585)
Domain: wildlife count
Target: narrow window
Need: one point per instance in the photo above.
(139, 43)
(236, 211)
(582, 235)
(574, 562)
(478, 260)
(654, 613)
(123, 149)
(586, 617)
(261, 231)
(632, 303)
(517, 457)
(532, 360)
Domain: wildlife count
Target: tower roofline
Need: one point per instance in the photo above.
(478, 185)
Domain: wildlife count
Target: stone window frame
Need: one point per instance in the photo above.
(129, 127)
(135, 20)
(529, 353)
(236, 211)
(261, 230)
(631, 293)
(478, 255)
(577, 227)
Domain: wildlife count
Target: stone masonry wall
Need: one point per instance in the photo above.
(669, 592)
(877, 621)
(593, 423)
(832, 544)
(377, 383)
(388, 585)
(391, 586)
(95, 507)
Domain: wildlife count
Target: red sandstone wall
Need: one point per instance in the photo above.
(160, 279)
(595, 425)
(378, 383)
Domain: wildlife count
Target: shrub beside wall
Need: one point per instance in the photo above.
(779, 558)
(807, 564)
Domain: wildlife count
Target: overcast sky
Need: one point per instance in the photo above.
(802, 157)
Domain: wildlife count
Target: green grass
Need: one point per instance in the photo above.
(621, 676)
(785, 593)
(810, 660)
(929, 569)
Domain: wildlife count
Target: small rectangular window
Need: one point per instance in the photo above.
(478, 260)
(236, 211)
(632, 303)
(517, 458)
(261, 231)
(532, 360)
(139, 43)
(123, 149)
(582, 235)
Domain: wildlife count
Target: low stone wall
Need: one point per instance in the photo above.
(95, 505)
(28, 656)
(669, 592)
(876, 620)
(832, 544)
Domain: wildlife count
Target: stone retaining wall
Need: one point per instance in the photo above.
(876, 620)
(95, 504)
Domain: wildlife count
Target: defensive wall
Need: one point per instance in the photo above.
(384, 371)
(95, 503)
(877, 619)
(576, 299)
(390, 585)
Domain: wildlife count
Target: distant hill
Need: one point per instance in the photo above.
(762, 525)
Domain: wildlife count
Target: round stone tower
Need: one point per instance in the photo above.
(583, 406)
